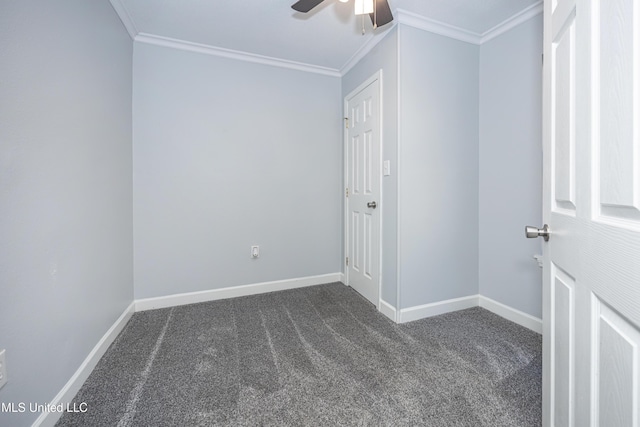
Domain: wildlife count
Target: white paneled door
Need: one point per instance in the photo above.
(591, 310)
(362, 153)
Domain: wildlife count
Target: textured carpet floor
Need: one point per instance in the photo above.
(314, 356)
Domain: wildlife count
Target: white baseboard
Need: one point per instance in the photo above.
(442, 307)
(71, 388)
(427, 310)
(509, 313)
(235, 291)
(388, 310)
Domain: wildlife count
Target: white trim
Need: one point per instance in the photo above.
(71, 388)
(420, 22)
(125, 17)
(398, 167)
(345, 181)
(234, 54)
(514, 21)
(403, 16)
(342, 279)
(365, 49)
(387, 309)
(233, 291)
(434, 309)
(380, 182)
(510, 313)
(441, 307)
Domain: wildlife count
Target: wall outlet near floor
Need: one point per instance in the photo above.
(3, 369)
(255, 251)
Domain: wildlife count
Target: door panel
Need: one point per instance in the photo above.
(562, 340)
(368, 247)
(591, 288)
(356, 160)
(356, 241)
(616, 368)
(363, 187)
(617, 155)
(368, 167)
(564, 119)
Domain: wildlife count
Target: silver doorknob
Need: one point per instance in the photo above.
(533, 232)
(372, 205)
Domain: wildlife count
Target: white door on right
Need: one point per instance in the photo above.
(591, 307)
(591, 289)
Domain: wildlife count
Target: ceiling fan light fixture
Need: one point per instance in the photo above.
(363, 7)
(343, 1)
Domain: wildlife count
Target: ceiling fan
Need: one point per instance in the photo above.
(378, 10)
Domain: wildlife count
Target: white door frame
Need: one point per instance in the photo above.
(377, 79)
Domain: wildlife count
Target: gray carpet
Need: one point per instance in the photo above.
(320, 356)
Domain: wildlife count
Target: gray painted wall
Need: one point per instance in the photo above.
(384, 57)
(511, 166)
(438, 189)
(66, 269)
(229, 154)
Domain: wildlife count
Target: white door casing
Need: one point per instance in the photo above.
(363, 187)
(591, 286)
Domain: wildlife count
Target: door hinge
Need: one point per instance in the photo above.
(347, 192)
(347, 260)
(346, 122)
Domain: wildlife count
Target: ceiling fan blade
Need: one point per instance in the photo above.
(383, 14)
(305, 6)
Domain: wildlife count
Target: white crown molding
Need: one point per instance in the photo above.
(422, 23)
(234, 54)
(515, 20)
(403, 17)
(125, 17)
(365, 49)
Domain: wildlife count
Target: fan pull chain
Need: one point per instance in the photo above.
(362, 16)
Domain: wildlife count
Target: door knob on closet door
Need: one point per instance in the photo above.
(533, 232)
(372, 205)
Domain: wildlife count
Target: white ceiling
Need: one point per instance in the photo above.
(328, 36)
